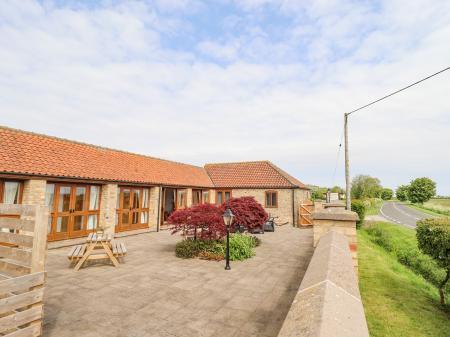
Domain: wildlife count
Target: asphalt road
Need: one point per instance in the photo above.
(401, 214)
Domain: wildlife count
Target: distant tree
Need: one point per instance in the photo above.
(364, 186)
(318, 193)
(337, 189)
(433, 238)
(402, 192)
(421, 190)
(386, 194)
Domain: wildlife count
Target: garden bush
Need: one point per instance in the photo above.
(359, 207)
(433, 237)
(241, 247)
(405, 249)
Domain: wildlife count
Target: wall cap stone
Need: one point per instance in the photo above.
(330, 214)
(328, 301)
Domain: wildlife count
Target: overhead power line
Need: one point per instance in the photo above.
(347, 165)
(400, 90)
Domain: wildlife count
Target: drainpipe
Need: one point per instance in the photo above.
(293, 208)
(158, 223)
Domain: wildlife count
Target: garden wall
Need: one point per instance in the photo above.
(328, 302)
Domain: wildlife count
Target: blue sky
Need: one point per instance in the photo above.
(205, 81)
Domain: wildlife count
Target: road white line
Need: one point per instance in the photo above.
(405, 213)
(392, 219)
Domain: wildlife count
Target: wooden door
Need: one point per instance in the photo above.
(305, 211)
(133, 209)
(62, 213)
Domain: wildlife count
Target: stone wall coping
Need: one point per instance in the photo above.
(328, 302)
(333, 214)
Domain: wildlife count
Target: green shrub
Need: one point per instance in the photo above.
(190, 248)
(241, 247)
(433, 237)
(359, 207)
(402, 192)
(403, 245)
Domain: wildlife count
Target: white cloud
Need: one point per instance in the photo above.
(106, 75)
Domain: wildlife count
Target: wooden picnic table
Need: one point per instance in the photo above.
(98, 246)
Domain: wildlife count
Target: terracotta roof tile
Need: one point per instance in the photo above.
(256, 174)
(29, 153)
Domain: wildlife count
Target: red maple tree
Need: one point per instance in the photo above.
(202, 221)
(247, 212)
(205, 221)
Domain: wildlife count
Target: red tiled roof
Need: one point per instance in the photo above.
(29, 153)
(256, 174)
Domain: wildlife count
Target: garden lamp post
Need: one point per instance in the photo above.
(228, 220)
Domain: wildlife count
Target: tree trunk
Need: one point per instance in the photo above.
(442, 286)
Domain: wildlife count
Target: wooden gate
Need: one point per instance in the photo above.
(304, 213)
(23, 243)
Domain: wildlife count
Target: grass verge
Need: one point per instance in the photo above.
(397, 301)
(434, 212)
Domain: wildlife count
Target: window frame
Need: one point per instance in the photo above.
(53, 235)
(2, 189)
(177, 201)
(200, 193)
(271, 205)
(223, 195)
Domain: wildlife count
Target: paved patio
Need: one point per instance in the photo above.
(157, 294)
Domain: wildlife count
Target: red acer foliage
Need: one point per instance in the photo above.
(247, 212)
(202, 221)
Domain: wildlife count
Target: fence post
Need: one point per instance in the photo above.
(39, 250)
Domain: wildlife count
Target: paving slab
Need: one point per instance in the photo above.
(155, 293)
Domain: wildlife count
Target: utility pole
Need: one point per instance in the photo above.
(347, 165)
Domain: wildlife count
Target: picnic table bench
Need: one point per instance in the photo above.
(98, 246)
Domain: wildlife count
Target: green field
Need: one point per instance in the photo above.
(398, 302)
(436, 207)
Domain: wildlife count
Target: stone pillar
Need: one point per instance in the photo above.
(188, 197)
(155, 205)
(341, 221)
(212, 196)
(34, 192)
(108, 204)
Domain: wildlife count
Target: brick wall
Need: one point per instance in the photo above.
(34, 192)
(108, 204)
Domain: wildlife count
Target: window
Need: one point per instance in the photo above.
(200, 197)
(205, 197)
(11, 192)
(222, 196)
(271, 199)
(181, 199)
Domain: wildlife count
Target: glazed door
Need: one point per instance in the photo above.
(63, 212)
(132, 211)
(74, 210)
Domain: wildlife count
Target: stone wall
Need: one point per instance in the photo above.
(284, 210)
(154, 207)
(328, 302)
(34, 192)
(108, 204)
(340, 220)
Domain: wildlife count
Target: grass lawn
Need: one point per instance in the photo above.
(397, 302)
